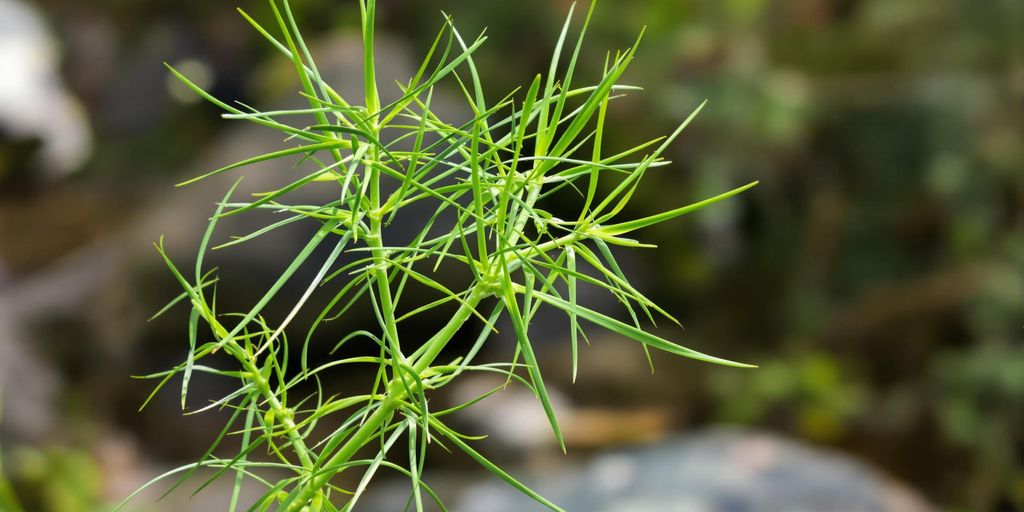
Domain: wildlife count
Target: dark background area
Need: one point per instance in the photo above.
(876, 274)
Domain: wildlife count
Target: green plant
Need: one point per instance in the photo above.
(8, 500)
(484, 178)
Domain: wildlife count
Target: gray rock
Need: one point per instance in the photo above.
(719, 470)
(715, 471)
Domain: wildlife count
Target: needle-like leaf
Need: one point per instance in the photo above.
(477, 186)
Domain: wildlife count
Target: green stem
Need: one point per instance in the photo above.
(422, 359)
(368, 11)
(280, 411)
(375, 240)
(396, 392)
(425, 356)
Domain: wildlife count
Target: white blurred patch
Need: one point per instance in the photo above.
(614, 472)
(33, 100)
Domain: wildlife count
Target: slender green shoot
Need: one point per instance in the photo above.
(470, 192)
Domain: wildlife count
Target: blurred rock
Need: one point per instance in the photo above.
(721, 470)
(715, 471)
(28, 387)
(34, 103)
(30, 384)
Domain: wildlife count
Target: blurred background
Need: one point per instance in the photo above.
(876, 275)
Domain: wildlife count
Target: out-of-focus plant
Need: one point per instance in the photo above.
(982, 392)
(481, 181)
(810, 389)
(57, 478)
(8, 501)
(54, 478)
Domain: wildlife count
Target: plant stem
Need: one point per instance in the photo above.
(522, 254)
(280, 411)
(422, 358)
(375, 240)
(396, 392)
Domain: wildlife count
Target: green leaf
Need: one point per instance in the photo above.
(573, 324)
(490, 466)
(520, 326)
(307, 149)
(626, 227)
(631, 332)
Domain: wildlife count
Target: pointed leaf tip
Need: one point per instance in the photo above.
(632, 225)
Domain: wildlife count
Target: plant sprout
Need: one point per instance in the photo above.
(481, 179)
